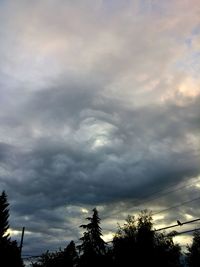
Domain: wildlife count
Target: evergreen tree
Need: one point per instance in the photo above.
(9, 251)
(4, 215)
(92, 250)
(193, 255)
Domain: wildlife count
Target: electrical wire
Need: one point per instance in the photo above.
(167, 193)
(157, 197)
(175, 225)
(27, 257)
(185, 232)
(148, 197)
(176, 206)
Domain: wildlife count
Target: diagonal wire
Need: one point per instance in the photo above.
(176, 206)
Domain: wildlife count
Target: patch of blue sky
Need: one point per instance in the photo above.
(3, 2)
(190, 64)
(191, 61)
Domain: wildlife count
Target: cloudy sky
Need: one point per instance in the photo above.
(99, 108)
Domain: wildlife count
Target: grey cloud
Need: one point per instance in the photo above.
(5, 151)
(54, 163)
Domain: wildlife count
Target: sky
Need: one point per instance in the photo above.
(99, 108)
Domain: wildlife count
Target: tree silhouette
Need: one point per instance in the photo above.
(137, 244)
(4, 215)
(193, 255)
(124, 243)
(62, 258)
(166, 253)
(47, 259)
(70, 255)
(92, 250)
(145, 239)
(9, 251)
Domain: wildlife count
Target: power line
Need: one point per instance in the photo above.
(171, 226)
(157, 197)
(175, 225)
(176, 206)
(185, 232)
(167, 227)
(156, 230)
(165, 193)
(148, 196)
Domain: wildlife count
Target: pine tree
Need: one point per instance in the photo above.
(92, 249)
(4, 215)
(9, 251)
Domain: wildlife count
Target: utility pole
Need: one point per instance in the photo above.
(22, 239)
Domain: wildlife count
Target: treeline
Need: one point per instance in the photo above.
(134, 244)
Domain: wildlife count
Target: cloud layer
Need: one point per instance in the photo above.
(99, 107)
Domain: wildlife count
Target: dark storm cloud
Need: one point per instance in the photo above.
(150, 148)
(5, 151)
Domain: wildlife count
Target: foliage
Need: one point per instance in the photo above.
(167, 253)
(138, 244)
(62, 258)
(193, 255)
(9, 251)
(70, 255)
(92, 250)
(134, 244)
(4, 215)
